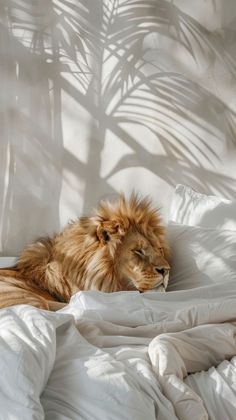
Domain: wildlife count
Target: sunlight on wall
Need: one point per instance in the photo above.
(109, 95)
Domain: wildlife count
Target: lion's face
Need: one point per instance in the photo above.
(142, 263)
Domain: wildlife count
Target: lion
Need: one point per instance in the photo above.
(120, 247)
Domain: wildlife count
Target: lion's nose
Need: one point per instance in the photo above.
(162, 271)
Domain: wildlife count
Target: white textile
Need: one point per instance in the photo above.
(122, 356)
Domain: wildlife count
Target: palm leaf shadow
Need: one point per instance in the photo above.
(106, 59)
(168, 97)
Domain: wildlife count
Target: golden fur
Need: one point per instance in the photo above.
(121, 247)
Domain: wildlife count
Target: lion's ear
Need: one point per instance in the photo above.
(103, 235)
(109, 230)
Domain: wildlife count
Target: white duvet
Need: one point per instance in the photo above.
(122, 356)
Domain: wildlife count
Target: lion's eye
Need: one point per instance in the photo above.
(161, 251)
(139, 252)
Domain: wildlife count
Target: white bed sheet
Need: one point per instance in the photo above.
(7, 261)
(122, 356)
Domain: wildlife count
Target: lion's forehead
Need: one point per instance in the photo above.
(138, 240)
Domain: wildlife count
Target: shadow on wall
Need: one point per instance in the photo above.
(139, 76)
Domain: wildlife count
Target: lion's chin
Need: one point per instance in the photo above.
(161, 287)
(158, 289)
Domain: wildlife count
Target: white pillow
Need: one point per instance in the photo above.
(201, 256)
(192, 208)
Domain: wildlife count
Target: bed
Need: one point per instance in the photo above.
(137, 356)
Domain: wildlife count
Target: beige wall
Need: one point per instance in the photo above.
(106, 95)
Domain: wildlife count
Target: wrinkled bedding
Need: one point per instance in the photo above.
(122, 356)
